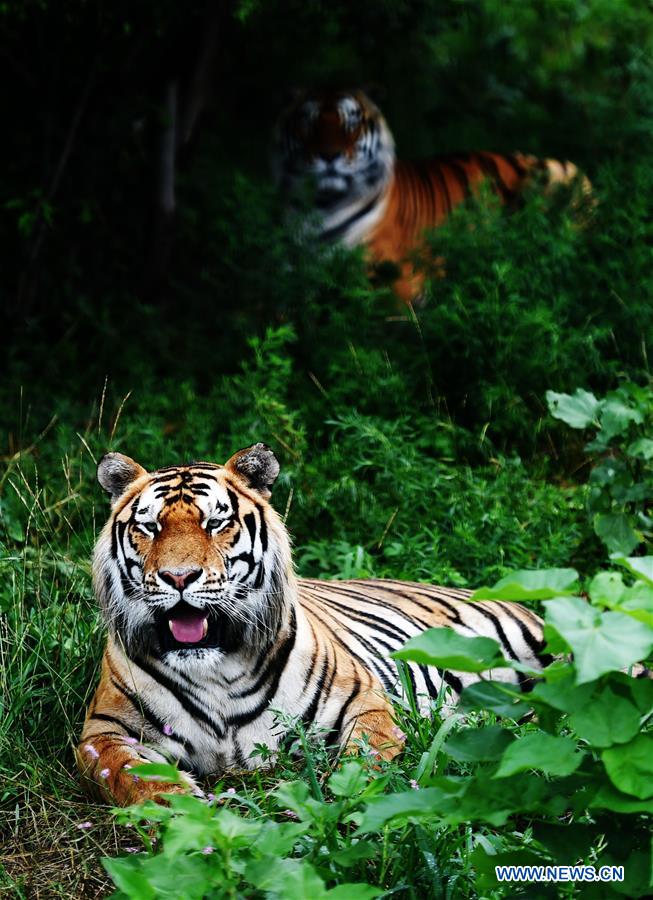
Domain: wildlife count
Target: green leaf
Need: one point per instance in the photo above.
(478, 744)
(354, 852)
(579, 410)
(616, 532)
(279, 838)
(234, 829)
(607, 719)
(541, 751)
(540, 584)
(411, 805)
(630, 766)
(607, 588)
(349, 780)
(290, 879)
(641, 566)
(562, 694)
(126, 874)
(157, 772)
(608, 797)
(616, 417)
(447, 649)
(600, 641)
(501, 699)
(642, 448)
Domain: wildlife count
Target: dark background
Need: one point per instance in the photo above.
(94, 270)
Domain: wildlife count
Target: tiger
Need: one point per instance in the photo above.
(340, 142)
(213, 642)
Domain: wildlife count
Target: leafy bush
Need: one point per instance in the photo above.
(621, 478)
(573, 786)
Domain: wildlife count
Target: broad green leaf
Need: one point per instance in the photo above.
(279, 838)
(539, 584)
(541, 751)
(157, 772)
(353, 853)
(562, 694)
(608, 797)
(501, 699)
(641, 566)
(641, 448)
(607, 719)
(641, 690)
(630, 766)
(290, 879)
(607, 588)
(600, 641)
(637, 601)
(616, 417)
(234, 829)
(447, 649)
(456, 801)
(126, 874)
(411, 805)
(616, 532)
(478, 744)
(349, 780)
(579, 410)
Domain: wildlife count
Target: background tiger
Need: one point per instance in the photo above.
(340, 141)
(210, 630)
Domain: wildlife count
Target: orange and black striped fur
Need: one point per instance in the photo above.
(210, 632)
(341, 143)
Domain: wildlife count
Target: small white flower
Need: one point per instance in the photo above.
(414, 784)
(207, 850)
(92, 752)
(105, 773)
(167, 729)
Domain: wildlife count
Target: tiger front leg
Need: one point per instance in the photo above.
(105, 763)
(371, 721)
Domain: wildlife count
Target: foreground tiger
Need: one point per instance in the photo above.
(210, 631)
(341, 142)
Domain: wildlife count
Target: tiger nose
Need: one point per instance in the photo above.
(179, 578)
(331, 157)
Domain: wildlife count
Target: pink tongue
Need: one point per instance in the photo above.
(189, 629)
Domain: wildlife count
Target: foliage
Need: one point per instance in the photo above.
(621, 478)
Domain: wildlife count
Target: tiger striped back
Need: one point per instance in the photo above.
(340, 142)
(211, 633)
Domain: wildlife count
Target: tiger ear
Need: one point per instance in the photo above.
(257, 466)
(116, 472)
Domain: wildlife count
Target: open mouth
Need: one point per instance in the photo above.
(184, 627)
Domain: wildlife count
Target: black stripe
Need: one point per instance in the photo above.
(103, 717)
(308, 715)
(332, 233)
(376, 660)
(333, 736)
(280, 660)
(180, 696)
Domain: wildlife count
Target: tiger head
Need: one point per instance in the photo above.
(340, 143)
(193, 560)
